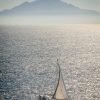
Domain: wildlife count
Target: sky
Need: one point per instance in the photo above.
(85, 4)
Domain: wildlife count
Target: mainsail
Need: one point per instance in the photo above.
(60, 92)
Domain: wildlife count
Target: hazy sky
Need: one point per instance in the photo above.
(87, 4)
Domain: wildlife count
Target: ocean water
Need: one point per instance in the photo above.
(28, 57)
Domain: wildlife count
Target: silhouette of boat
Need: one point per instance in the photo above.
(60, 90)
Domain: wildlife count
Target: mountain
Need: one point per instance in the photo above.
(46, 7)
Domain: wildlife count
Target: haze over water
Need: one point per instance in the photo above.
(28, 60)
(48, 20)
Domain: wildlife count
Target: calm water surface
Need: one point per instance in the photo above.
(28, 61)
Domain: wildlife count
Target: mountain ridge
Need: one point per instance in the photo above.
(47, 7)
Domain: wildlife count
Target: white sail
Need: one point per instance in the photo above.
(60, 92)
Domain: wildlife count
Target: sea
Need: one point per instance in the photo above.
(28, 61)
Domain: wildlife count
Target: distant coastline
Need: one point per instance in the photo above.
(48, 12)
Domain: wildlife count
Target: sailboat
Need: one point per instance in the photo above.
(60, 91)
